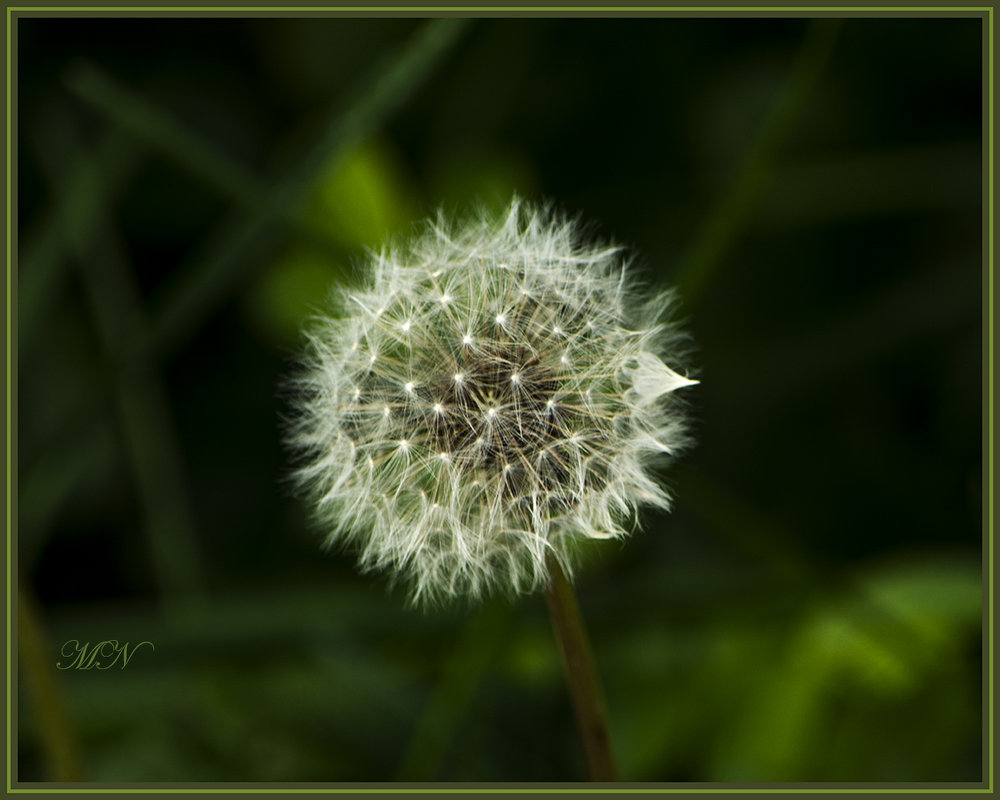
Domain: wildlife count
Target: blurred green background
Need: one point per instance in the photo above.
(190, 189)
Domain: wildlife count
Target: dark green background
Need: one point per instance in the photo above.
(188, 190)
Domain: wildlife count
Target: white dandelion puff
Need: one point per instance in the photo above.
(461, 463)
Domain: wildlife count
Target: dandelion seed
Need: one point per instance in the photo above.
(527, 475)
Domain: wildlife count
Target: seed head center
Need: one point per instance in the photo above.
(499, 406)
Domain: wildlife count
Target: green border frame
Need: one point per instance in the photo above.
(985, 12)
(424, 10)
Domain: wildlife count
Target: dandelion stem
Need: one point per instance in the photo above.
(581, 676)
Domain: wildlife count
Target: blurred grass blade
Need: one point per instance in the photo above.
(848, 638)
(160, 478)
(53, 477)
(85, 191)
(144, 120)
(38, 669)
(140, 117)
(919, 307)
(204, 282)
(393, 81)
(722, 229)
(142, 404)
(900, 180)
(473, 655)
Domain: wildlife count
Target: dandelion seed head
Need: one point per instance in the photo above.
(555, 418)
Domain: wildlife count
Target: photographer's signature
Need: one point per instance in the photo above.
(102, 655)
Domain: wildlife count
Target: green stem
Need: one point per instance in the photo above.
(581, 676)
